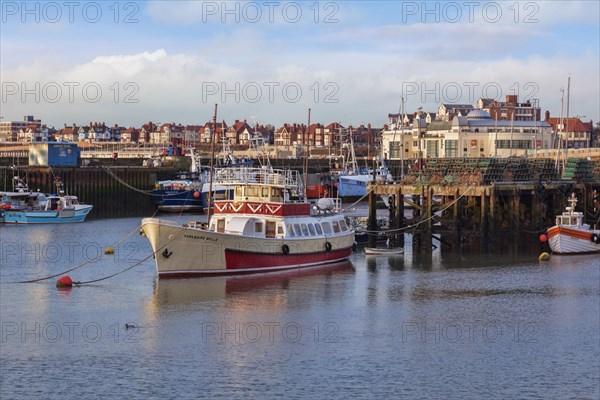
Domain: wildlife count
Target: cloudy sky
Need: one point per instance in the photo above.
(350, 61)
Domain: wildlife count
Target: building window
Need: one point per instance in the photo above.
(395, 149)
(451, 147)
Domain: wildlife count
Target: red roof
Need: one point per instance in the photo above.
(573, 124)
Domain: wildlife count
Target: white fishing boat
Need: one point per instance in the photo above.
(383, 251)
(265, 227)
(571, 235)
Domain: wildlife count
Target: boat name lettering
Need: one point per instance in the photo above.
(200, 238)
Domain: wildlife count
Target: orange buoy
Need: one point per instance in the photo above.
(196, 194)
(543, 238)
(65, 281)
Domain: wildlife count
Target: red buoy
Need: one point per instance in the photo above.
(65, 281)
(196, 194)
(543, 238)
(7, 206)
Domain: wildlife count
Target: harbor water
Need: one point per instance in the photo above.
(452, 325)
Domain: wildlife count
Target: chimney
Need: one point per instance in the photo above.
(546, 115)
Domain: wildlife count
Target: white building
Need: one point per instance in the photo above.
(474, 135)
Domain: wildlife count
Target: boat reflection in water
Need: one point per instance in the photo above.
(175, 292)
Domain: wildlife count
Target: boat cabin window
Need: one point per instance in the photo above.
(251, 191)
(270, 232)
(280, 229)
(336, 227)
(343, 225)
(311, 229)
(53, 203)
(297, 229)
(318, 228)
(220, 225)
(258, 227)
(327, 228)
(265, 192)
(304, 229)
(275, 192)
(239, 191)
(291, 230)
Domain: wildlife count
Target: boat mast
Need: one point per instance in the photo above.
(402, 140)
(307, 138)
(558, 162)
(567, 124)
(212, 164)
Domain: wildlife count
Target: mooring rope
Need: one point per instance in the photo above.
(153, 254)
(424, 220)
(122, 182)
(83, 264)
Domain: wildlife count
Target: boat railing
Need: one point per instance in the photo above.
(263, 176)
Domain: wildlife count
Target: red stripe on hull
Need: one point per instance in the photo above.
(240, 260)
(242, 271)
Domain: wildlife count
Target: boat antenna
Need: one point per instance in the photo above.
(307, 138)
(212, 164)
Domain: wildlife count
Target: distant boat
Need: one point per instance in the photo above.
(26, 207)
(570, 235)
(384, 251)
(184, 192)
(352, 180)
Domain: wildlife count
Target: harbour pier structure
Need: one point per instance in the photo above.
(484, 200)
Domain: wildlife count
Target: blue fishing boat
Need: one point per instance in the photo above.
(26, 207)
(352, 180)
(54, 209)
(188, 192)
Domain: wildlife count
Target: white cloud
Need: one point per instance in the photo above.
(364, 68)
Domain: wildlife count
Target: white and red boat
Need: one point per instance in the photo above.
(265, 227)
(571, 235)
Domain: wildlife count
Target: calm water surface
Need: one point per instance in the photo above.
(448, 326)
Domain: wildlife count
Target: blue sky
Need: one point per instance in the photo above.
(350, 61)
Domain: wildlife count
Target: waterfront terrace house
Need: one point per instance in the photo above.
(167, 133)
(267, 132)
(33, 133)
(206, 132)
(130, 135)
(446, 112)
(67, 134)
(573, 132)
(286, 136)
(239, 132)
(191, 134)
(145, 130)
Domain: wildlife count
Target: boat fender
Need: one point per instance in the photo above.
(327, 247)
(285, 249)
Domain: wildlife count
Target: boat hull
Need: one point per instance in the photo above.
(178, 200)
(383, 252)
(353, 185)
(563, 240)
(183, 251)
(47, 216)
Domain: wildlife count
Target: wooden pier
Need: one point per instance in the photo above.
(484, 200)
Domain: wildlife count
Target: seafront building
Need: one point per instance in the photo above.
(475, 135)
